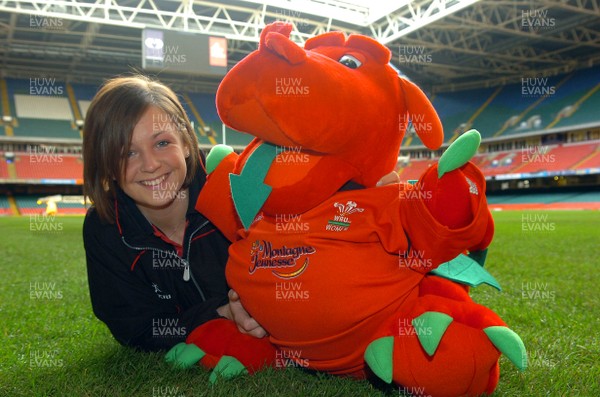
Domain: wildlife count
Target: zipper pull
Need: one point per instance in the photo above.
(186, 272)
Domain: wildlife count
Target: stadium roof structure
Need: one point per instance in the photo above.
(444, 45)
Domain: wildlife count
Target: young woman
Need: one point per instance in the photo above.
(155, 265)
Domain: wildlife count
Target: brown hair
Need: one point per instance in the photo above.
(109, 123)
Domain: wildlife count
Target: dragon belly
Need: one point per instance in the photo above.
(319, 297)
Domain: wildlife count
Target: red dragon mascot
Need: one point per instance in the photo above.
(348, 277)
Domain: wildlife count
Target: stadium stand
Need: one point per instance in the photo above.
(414, 169)
(535, 104)
(556, 158)
(3, 167)
(551, 159)
(574, 101)
(203, 109)
(592, 161)
(4, 206)
(551, 200)
(40, 108)
(47, 165)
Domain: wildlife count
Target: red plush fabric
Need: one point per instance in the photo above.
(222, 338)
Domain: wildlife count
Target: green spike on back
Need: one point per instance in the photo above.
(430, 327)
(465, 270)
(227, 368)
(378, 356)
(216, 155)
(509, 343)
(459, 152)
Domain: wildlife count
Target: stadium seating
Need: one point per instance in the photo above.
(591, 161)
(3, 167)
(534, 104)
(558, 158)
(4, 206)
(204, 106)
(47, 165)
(414, 169)
(41, 108)
(551, 200)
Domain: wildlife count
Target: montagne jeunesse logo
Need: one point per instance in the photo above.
(285, 262)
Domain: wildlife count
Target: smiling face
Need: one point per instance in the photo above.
(155, 167)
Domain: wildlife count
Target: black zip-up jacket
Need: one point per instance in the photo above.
(148, 296)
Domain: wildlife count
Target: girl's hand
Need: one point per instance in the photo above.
(236, 312)
(389, 179)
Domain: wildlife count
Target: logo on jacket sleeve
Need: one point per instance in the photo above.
(285, 262)
(341, 222)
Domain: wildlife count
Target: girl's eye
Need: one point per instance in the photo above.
(162, 143)
(130, 153)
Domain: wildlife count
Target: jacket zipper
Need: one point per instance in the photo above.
(187, 271)
(187, 274)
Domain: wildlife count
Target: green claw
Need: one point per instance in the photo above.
(378, 356)
(215, 156)
(228, 367)
(184, 356)
(509, 343)
(430, 327)
(459, 152)
(175, 352)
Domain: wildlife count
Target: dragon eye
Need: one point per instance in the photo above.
(350, 61)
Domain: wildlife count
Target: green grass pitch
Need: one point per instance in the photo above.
(546, 261)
